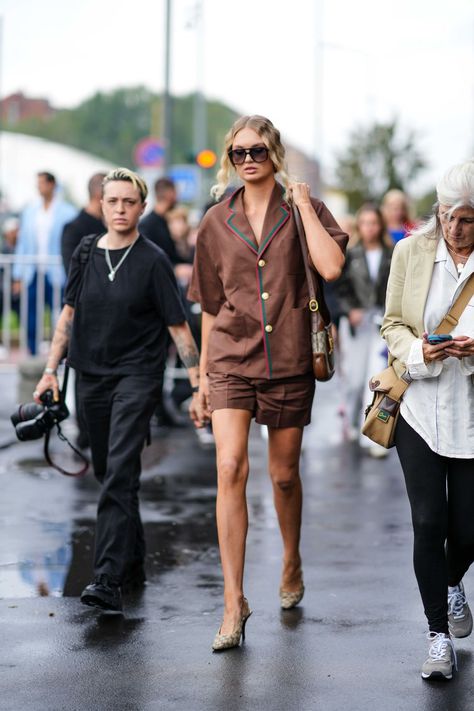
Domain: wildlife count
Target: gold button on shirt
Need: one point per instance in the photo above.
(257, 291)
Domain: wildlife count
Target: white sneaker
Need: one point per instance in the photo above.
(459, 614)
(441, 657)
(378, 452)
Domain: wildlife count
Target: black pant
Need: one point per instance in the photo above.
(117, 411)
(441, 494)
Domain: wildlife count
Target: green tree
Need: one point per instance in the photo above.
(377, 159)
(110, 124)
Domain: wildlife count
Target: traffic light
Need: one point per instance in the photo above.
(206, 158)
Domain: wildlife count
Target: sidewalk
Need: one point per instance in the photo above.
(355, 643)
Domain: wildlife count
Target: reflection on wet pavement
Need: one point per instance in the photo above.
(49, 547)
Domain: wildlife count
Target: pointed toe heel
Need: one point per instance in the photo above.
(229, 641)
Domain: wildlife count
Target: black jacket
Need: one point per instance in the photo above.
(355, 289)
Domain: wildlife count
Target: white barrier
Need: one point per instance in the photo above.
(20, 306)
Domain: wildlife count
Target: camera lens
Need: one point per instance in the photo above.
(27, 411)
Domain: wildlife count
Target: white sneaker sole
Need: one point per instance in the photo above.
(437, 675)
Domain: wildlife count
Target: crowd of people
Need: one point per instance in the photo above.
(388, 281)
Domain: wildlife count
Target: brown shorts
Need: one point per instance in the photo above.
(285, 402)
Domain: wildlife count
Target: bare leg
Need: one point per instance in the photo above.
(231, 432)
(284, 455)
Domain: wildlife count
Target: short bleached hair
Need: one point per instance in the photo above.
(270, 137)
(129, 176)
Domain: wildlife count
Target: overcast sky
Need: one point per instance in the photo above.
(317, 69)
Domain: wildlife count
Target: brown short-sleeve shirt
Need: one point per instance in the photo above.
(258, 293)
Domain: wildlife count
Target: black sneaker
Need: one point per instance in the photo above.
(102, 593)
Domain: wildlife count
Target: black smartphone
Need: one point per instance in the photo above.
(435, 338)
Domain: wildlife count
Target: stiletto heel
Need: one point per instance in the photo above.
(228, 641)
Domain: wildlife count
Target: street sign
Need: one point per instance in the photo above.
(187, 180)
(149, 153)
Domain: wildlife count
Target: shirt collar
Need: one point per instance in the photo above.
(442, 255)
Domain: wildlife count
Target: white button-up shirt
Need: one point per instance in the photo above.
(439, 404)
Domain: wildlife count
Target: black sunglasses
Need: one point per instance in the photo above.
(259, 154)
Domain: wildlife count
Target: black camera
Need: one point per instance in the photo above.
(32, 421)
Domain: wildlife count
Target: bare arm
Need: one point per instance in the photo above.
(325, 253)
(58, 350)
(189, 354)
(206, 326)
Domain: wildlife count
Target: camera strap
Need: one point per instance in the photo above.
(63, 438)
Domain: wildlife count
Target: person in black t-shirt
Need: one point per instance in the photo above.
(88, 221)
(154, 226)
(119, 307)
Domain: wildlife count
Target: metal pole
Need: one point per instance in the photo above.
(199, 128)
(166, 90)
(318, 83)
(200, 107)
(1, 116)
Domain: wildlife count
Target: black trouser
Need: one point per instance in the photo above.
(117, 411)
(441, 494)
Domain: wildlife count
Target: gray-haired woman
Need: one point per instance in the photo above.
(435, 432)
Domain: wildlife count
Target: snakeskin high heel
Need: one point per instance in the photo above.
(228, 641)
(288, 599)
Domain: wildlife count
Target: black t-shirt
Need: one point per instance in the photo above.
(84, 224)
(120, 327)
(155, 228)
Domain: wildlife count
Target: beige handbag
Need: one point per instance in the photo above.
(382, 414)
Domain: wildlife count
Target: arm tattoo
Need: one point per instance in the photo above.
(187, 348)
(189, 356)
(60, 341)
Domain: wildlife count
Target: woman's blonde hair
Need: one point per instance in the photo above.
(269, 135)
(383, 237)
(399, 195)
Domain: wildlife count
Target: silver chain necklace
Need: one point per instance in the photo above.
(113, 270)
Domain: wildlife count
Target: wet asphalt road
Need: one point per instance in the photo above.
(356, 642)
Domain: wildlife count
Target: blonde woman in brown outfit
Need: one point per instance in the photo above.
(256, 355)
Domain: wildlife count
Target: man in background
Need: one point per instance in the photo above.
(154, 226)
(39, 237)
(88, 221)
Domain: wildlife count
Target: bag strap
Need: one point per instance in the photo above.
(317, 321)
(86, 248)
(451, 319)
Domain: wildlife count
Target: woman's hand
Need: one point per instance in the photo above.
(199, 410)
(47, 382)
(460, 347)
(300, 193)
(195, 411)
